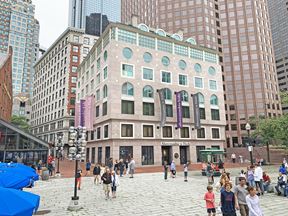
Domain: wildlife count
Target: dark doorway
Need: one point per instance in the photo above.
(99, 155)
(125, 152)
(107, 155)
(167, 154)
(183, 154)
(93, 155)
(198, 148)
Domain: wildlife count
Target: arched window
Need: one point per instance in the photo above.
(201, 98)
(105, 91)
(127, 89)
(214, 100)
(167, 94)
(191, 41)
(143, 27)
(148, 92)
(177, 37)
(161, 32)
(184, 96)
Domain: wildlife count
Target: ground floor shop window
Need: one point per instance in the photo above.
(147, 155)
(93, 155)
(107, 155)
(125, 152)
(99, 155)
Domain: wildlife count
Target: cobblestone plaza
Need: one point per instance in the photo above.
(145, 194)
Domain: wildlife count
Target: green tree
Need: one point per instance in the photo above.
(284, 97)
(21, 122)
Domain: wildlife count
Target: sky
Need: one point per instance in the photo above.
(53, 18)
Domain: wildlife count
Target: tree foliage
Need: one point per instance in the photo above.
(21, 122)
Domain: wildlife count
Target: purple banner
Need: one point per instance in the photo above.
(179, 110)
(82, 113)
(89, 112)
(77, 115)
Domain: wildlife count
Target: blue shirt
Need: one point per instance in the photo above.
(227, 202)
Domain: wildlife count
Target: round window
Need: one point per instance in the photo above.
(212, 71)
(127, 53)
(182, 65)
(147, 57)
(165, 61)
(198, 68)
(105, 55)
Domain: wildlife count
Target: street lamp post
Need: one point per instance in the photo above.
(77, 147)
(250, 147)
(59, 147)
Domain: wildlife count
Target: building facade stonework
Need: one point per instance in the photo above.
(6, 97)
(123, 72)
(240, 31)
(54, 95)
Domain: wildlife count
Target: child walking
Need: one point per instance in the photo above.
(115, 183)
(186, 172)
(209, 197)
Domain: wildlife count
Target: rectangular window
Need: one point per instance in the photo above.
(98, 133)
(147, 155)
(98, 64)
(147, 42)
(181, 50)
(215, 114)
(105, 73)
(196, 54)
(167, 132)
(198, 82)
(126, 130)
(166, 77)
(169, 110)
(147, 74)
(202, 113)
(127, 70)
(86, 41)
(148, 131)
(233, 127)
(183, 80)
(75, 49)
(85, 50)
(184, 132)
(210, 57)
(75, 59)
(98, 78)
(185, 112)
(148, 109)
(127, 107)
(74, 69)
(201, 133)
(104, 110)
(215, 133)
(126, 36)
(98, 95)
(164, 46)
(212, 85)
(72, 101)
(97, 111)
(76, 39)
(106, 131)
(73, 79)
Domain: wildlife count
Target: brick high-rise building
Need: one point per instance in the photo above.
(278, 10)
(6, 99)
(240, 30)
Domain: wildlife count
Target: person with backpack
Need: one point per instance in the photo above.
(88, 167)
(96, 173)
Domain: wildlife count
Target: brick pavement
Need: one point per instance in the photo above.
(146, 194)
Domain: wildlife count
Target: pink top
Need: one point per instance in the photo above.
(208, 197)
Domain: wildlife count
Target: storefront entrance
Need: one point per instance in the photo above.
(183, 154)
(166, 154)
(125, 152)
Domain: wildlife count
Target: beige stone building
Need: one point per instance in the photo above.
(124, 70)
(54, 94)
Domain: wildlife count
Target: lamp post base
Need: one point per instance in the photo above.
(57, 175)
(74, 205)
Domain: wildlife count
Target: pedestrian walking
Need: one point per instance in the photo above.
(78, 178)
(258, 177)
(116, 166)
(209, 173)
(39, 167)
(173, 169)
(165, 166)
(127, 166)
(209, 197)
(110, 163)
(233, 157)
(132, 168)
(121, 167)
(115, 183)
(250, 176)
(97, 174)
(240, 193)
(228, 203)
(106, 178)
(185, 167)
(88, 167)
(252, 201)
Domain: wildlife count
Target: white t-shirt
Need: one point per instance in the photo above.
(253, 205)
(258, 174)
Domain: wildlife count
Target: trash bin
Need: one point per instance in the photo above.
(45, 175)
